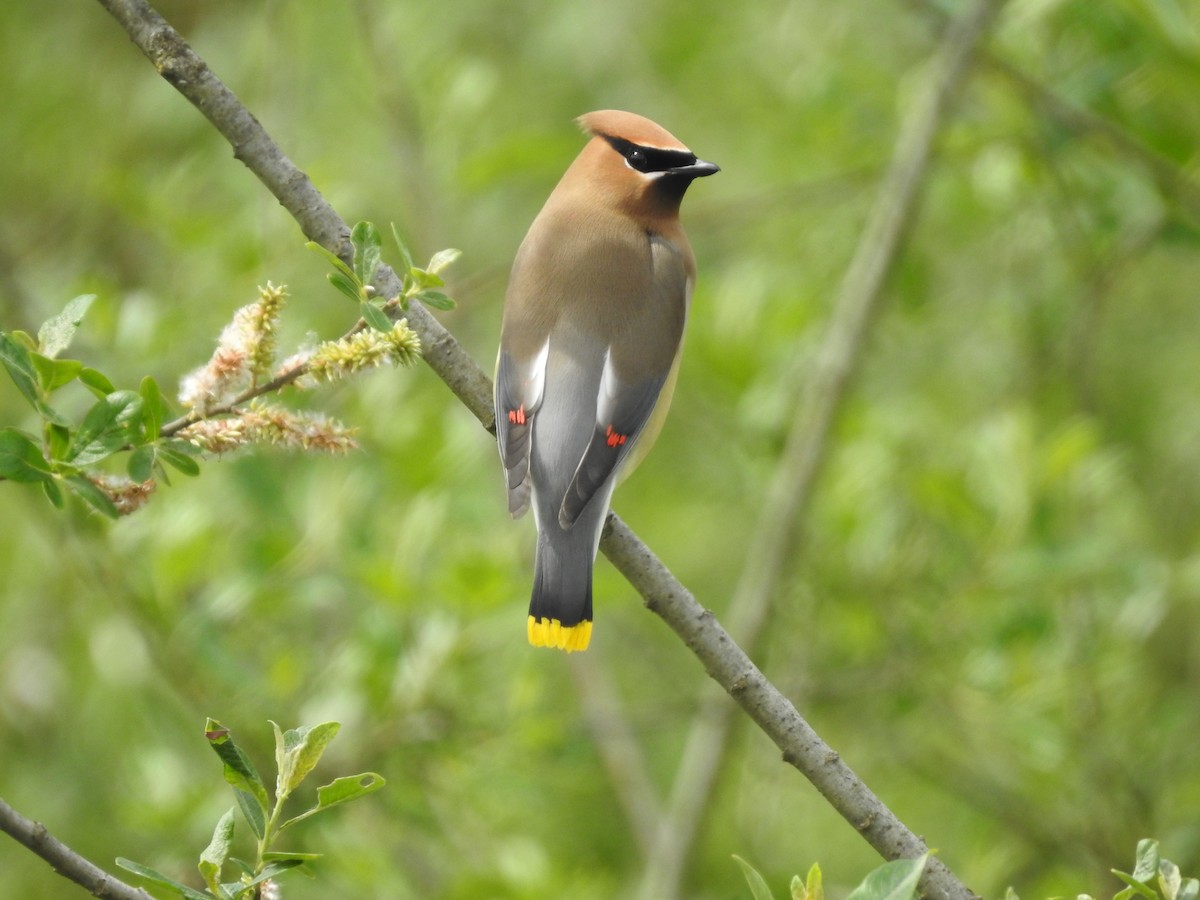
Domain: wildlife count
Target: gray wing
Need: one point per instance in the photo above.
(519, 392)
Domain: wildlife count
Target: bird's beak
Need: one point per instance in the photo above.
(698, 169)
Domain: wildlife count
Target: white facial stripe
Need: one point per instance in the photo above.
(647, 175)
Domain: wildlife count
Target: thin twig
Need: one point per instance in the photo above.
(65, 861)
(787, 499)
(723, 659)
(267, 387)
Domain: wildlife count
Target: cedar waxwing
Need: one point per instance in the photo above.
(589, 350)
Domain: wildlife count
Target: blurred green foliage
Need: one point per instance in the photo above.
(992, 612)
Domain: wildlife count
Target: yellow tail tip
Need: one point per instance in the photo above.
(552, 633)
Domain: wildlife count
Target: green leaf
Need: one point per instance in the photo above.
(405, 257)
(345, 284)
(256, 816)
(178, 458)
(21, 458)
(58, 440)
(1146, 866)
(53, 493)
(333, 259)
(895, 880)
(54, 373)
(424, 279)
(246, 888)
(375, 317)
(141, 463)
(1135, 889)
(442, 259)
(341, 790)
(158, 878)
(239, 771)
(302, 750)
(55, 334)
(1189, 889)
(106, 428)
(278, 867)
(368, 250)
(16, 358)
(758, 885)
(281, 855)
(436, 299)
(811, 888)
(247, 868)
(96, 381)
(92, 494)
(155, 408)
(214, 855)
(1169, 879)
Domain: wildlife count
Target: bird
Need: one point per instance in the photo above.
(590, 343)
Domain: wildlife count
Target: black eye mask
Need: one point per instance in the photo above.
(651, 159)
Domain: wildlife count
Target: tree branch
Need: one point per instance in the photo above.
(787, 499)
(722, 658)
(65, 861)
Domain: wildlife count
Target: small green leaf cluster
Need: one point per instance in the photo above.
(63, 455)
(297, 752)
(895, 880)
(354, 280)
(1152, 878)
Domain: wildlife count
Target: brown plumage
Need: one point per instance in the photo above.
(593, 326)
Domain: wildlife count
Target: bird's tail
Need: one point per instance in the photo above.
(560, 610)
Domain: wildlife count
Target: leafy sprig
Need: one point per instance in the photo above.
(354, 280)
(1152, 878)
(62, 457)
(895, 880)
(223, 405)
(297, 752)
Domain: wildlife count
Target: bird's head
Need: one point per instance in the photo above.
(636, 163)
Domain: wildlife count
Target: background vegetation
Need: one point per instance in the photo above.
(992, 612)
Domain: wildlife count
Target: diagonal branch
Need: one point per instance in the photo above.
(722, 658)
(65, 861)
(786, 501)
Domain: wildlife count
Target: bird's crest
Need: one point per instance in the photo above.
(616, 123)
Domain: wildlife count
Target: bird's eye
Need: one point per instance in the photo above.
(637, 159)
